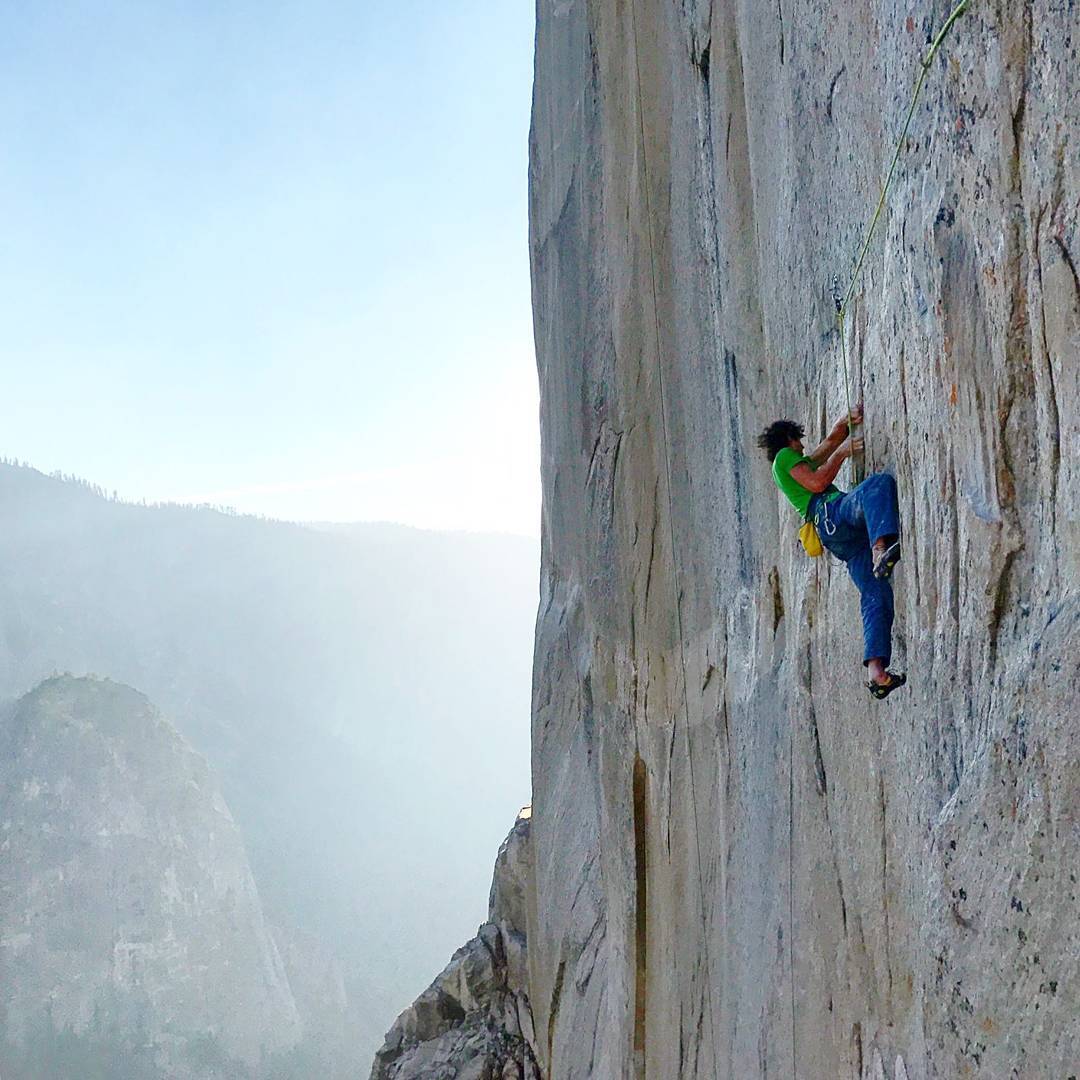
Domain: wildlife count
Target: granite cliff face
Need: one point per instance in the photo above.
(132, 939)
(474, 1022)
(743, 866)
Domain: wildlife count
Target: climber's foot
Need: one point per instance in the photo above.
(886, 556)
(893, 680)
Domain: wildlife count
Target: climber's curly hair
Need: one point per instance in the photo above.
(778, 434)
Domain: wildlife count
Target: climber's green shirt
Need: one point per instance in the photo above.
(796, 494)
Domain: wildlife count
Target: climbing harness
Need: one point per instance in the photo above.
(843, 300)
(822, 518)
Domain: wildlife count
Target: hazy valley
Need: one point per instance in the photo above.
(360, 698)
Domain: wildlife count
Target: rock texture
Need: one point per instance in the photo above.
(129, 920)
(474, 1022)
(745, 867)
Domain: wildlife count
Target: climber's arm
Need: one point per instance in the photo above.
(817, 480)
(839, 433)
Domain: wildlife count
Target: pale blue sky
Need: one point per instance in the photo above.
(272, 254)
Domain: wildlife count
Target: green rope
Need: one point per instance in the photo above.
(842, 304)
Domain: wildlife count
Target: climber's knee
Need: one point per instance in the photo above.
(881, 480)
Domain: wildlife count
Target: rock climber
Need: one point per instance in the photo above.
(861, 528)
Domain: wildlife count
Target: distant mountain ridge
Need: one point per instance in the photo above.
(341, 682)
(132, 937)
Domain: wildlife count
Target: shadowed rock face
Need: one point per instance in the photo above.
(745, 867)
(129, 920)
(474, 1022)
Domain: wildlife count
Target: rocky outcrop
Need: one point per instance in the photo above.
(474, 1022)
(130, 928)
(745, 867)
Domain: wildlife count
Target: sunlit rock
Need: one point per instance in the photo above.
(744, 867)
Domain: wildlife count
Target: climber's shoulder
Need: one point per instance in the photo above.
(785, 461)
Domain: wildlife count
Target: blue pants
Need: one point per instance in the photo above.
(848, 526)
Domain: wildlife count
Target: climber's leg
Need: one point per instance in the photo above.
(877, 612)
(847, 539)
(872, 506)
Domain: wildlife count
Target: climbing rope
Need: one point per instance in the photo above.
(844, 300)
(708, 994)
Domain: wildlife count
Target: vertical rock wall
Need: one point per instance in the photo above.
(744, 866)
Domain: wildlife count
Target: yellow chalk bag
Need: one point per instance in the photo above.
(810, 541)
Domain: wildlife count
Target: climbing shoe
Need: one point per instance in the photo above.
(883, 690)
(885, 560)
